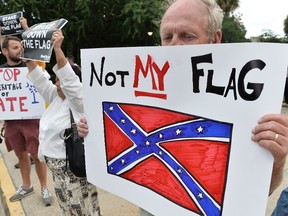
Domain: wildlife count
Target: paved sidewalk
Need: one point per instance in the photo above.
(110, 204)
(32, 205)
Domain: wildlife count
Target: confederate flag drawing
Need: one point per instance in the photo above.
(182, 157)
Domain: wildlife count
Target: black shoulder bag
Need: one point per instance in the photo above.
(74, 149)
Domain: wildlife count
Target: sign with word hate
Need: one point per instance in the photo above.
(170, 127)
(19, 98)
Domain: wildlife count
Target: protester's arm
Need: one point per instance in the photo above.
(69, 81)
(23, 22)
(265, 133)
(31, 65)
(277, 175)
(57, 39)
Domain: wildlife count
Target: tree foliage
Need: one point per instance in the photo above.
(228, 6)
(233, 29)
(268, 35)
(95, 23)
(286, 26)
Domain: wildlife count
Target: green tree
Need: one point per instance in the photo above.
(228, 6)
(233, 29)
(269, 36)
(286, 26)
(95, 23)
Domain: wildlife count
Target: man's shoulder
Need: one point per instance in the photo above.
(5, 65)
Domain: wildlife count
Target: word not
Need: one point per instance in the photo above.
(10, 102)
(110, 77)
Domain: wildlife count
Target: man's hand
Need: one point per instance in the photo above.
(23, 22)
(57, 39)
(271, 133)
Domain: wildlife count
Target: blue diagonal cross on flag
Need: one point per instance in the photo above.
(182, 157)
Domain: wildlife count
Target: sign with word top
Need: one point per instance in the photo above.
(19, 99)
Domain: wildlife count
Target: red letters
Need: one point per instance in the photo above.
(153, 68)
(10, 103)
(10, 73)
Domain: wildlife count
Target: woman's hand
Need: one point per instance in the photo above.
(57, 38)
(82, 127)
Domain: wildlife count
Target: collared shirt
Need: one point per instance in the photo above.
(5, 65)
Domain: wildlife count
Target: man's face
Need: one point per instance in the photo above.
(185, 23)
(14, 51)
(59, 89)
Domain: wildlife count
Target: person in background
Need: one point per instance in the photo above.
(281, 208)
(286, 89)
(71, 60)
(75, 66)
(23, 22)
(22, 135)
(187, 22)
(75, 195)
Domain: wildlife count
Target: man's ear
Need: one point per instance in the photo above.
(4, 51)
(217, 37)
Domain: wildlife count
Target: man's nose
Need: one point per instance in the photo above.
(21, 49)
(176, 41)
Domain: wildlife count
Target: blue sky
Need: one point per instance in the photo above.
(262, 14)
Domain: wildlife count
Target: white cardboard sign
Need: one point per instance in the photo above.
(19, 98)
(170, 127)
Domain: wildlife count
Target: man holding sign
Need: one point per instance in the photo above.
(189, 22)
(22, 135)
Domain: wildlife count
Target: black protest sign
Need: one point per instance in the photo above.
(37, 40)
(10, 24)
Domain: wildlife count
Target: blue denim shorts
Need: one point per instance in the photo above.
(281, 208)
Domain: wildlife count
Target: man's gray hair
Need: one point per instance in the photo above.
(215, 15)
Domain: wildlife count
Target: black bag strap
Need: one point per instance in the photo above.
(73, 126)
(74, 133)
(2, 132)
(71, 117)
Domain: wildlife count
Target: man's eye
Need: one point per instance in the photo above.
(166, 38)
(189, 37)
